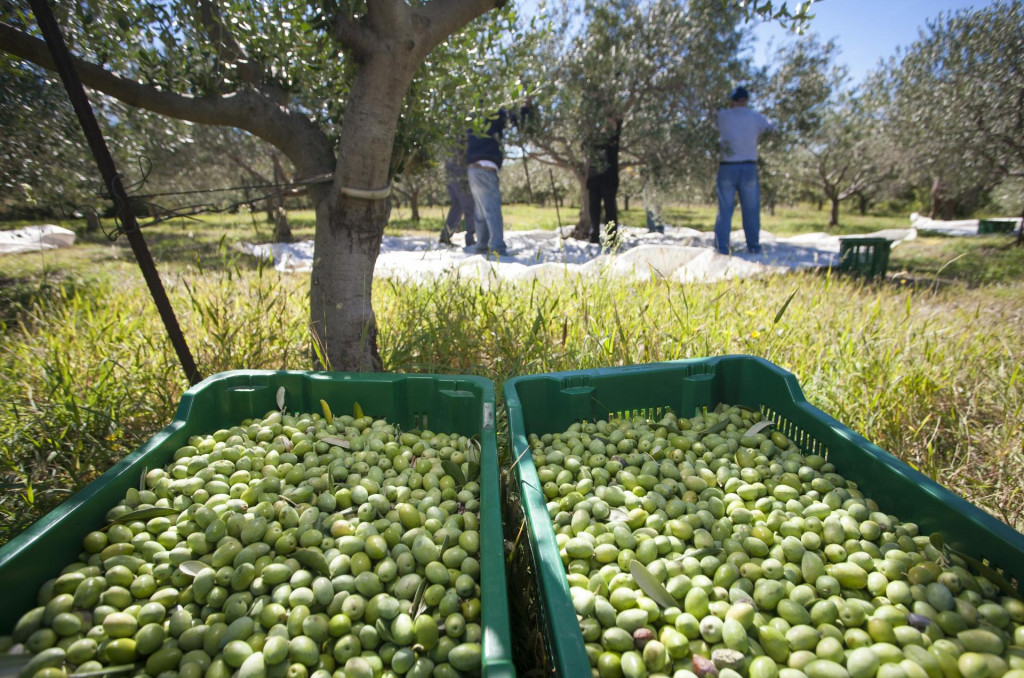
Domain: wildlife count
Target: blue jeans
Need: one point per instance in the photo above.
(741, 178)
(490, 230)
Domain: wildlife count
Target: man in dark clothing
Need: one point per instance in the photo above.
(603, 179)
(462, 208)
(483, 160)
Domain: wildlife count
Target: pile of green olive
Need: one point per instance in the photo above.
(714, 546)
(291, 546)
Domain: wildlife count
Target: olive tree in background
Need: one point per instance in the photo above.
(843, 159)
(330, 83)
(46, 170)
(43, 157)
(800, 89)
(660, 65)
(955, 103)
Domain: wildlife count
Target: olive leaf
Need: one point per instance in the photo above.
(700, 553)
(280, 399)
(357, 411)
(937, 541)
(11, 665)
(142, 478)
(383, 631)
(313, 559)
(327, 411)
(617, 514)
(417, 600)
(988, 572)
(474, 453)
(760, 426)
(650, 585)
(192, 567)
(452, 469)
(256, 607)
(473, 471)
(334, 440)
(143, 515)
(720, 426)
(105, 671)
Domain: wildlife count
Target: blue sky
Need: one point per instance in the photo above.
(865, 30)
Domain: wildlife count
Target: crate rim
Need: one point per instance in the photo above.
(497, 661)
(570, 652)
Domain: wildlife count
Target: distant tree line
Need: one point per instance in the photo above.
(938, 128)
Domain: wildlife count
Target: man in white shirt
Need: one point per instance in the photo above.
(739, 129)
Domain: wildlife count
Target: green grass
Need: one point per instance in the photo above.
(927, 364)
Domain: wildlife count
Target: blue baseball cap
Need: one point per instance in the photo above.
(739, 93)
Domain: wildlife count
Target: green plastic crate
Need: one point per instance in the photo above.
(864, 256)
(451, 404)
(550, 403)
(996, 225)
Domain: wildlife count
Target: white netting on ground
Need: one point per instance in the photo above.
(679, 254)
(35, 238)
(961, 227)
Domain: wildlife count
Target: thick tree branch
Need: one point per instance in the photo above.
(388, 17)
(247, 109)
(434, 21)
(353, 35)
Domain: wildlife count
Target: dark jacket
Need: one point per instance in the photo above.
(488, 146)
(603, 165)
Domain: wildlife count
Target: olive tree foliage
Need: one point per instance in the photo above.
(47, 170)
(332, 84)
(844, 159)
(44, 162)
(953, 102)
(656, 64)
(799, 90)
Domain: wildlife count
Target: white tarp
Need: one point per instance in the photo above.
(961, 227)
(35, 238)
(680, 254)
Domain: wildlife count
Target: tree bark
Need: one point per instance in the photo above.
(834, 218)
(414, 205)
(583, 227)
(282, 229)
(349, 229)
(346, 245)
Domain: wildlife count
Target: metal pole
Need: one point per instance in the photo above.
(111, 179)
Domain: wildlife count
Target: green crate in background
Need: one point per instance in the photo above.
(450, 404)
(996, 226)
(864, 256)
(550, 403)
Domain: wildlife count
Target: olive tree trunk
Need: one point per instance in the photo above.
(583, 229)
(349, 229)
